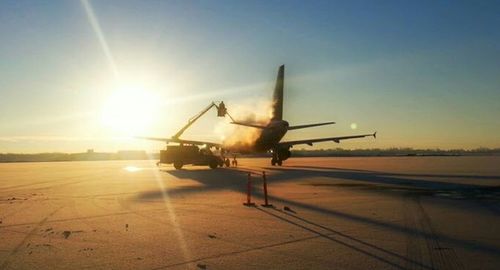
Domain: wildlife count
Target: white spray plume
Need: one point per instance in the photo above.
(242, 138)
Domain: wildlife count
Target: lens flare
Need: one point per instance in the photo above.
(132, 169)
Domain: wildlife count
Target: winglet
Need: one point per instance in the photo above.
(374, 135)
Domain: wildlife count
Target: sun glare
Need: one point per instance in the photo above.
(129, 110)
(132, 169)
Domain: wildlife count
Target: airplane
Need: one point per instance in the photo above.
(271, 133)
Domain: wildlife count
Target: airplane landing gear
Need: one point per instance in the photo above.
(279, 155)
(276, 160)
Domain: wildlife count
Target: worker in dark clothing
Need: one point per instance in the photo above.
(221, 110)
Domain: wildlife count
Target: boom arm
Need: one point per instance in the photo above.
(192, 120)
(200, 114)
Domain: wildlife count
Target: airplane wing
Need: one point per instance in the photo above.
(177, 140)
(335, 139)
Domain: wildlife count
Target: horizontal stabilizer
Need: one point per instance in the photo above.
(249, 125)
(310, 125)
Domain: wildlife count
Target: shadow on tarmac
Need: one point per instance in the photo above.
(389, 183)
(465, 176)
(386, 183)
(343, 239)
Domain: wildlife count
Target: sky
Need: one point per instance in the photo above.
(78, 75)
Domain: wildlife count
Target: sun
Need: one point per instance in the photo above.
(129, 110)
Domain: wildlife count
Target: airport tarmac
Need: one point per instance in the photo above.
(341, 213)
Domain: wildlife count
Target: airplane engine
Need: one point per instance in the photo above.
(284, 154)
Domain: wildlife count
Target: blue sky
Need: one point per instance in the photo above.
(423, 74)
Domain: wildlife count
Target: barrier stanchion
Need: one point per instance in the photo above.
(249, 192)
(264, 182)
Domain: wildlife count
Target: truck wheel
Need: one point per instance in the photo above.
(178, 165)
(227, 163)
(213, 164)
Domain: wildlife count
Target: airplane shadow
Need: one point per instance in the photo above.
(464, 176)
(396, 184)
(209, 180)
(235, 180)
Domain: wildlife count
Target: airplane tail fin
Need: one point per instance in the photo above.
(278, 95)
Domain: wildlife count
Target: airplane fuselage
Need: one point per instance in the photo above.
(271, 135)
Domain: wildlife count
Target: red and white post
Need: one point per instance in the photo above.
(264, 183)
(249, 192)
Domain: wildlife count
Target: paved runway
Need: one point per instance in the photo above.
(342, 213)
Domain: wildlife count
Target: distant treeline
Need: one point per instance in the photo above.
(338, 152)
(375, 152)
(46, 157)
